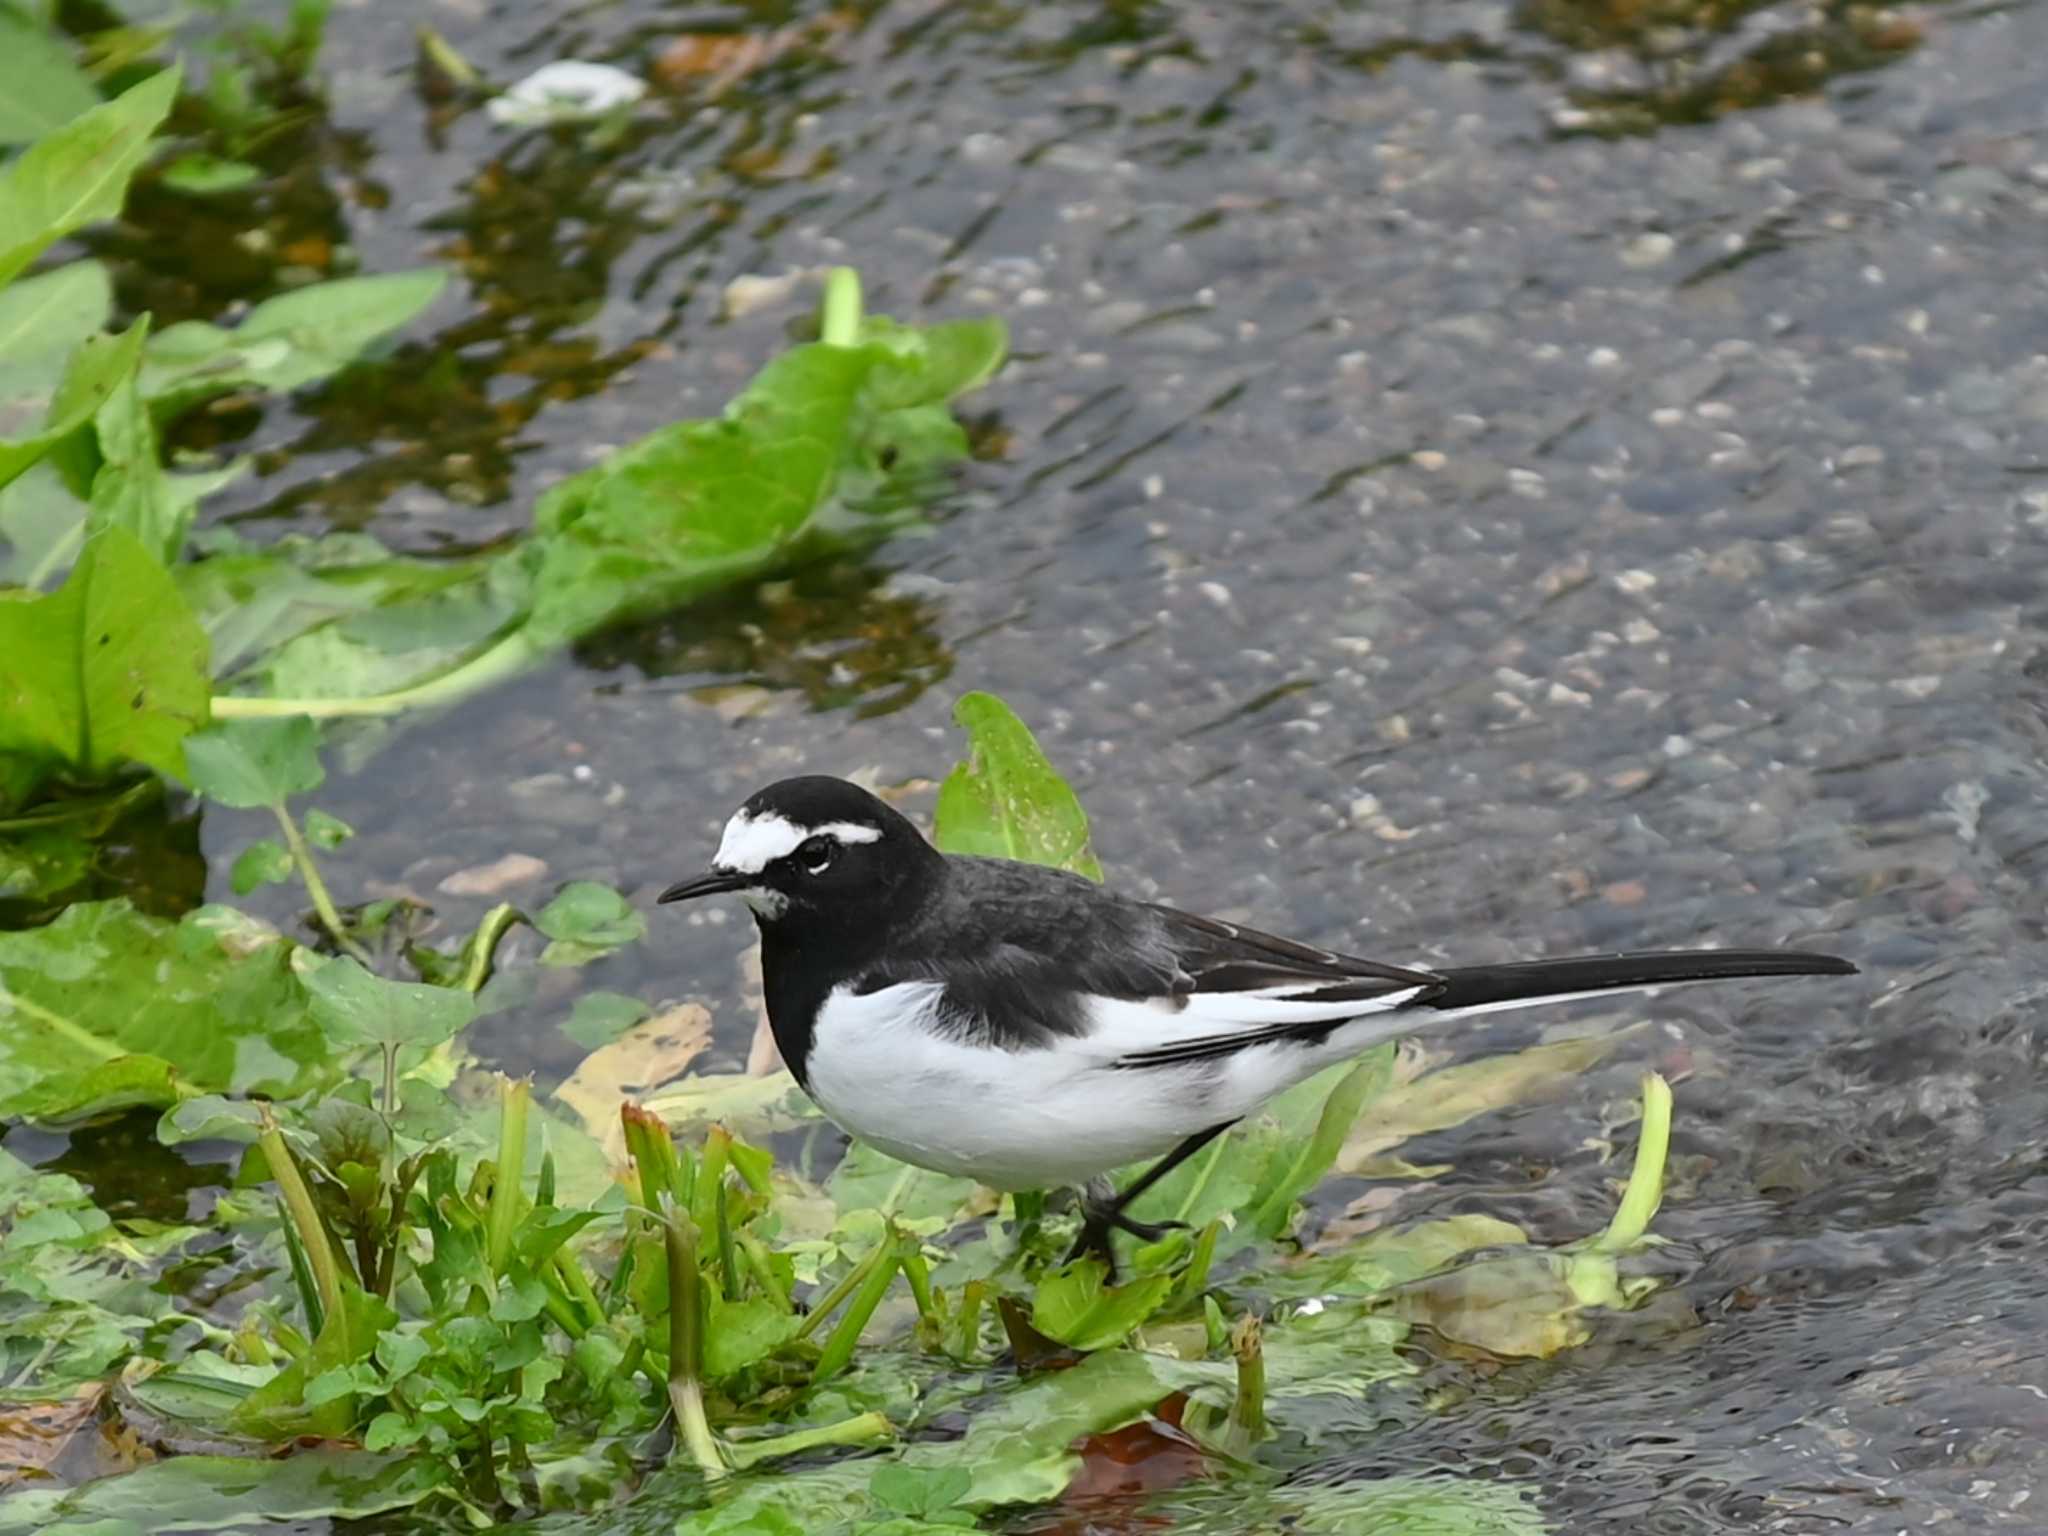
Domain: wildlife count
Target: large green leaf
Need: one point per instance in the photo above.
(823, 440)
(285, 342)
(250, 764)
(108, 669)
(133, 490)
(79, 174)
(41, 86)
(1019, 1449)
(49, 314)
(1007, 800)
(225, 1494)
(91, 376)
(107, 1007)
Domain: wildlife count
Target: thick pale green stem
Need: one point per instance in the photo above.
(1248, 1406)
(298, 1200)
(510, 656)
(838, 1351)
(483, 945)
(863, 1429)
(839, 315)
(1645, 1190)
(685, 1347)
(514, 1098)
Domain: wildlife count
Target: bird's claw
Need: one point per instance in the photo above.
(1098, 1221)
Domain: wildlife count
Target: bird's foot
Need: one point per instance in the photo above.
(1102, 1213)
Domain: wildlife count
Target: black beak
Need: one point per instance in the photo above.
(709, 883)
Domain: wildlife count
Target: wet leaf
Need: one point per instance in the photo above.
(825, 440)
(287, 342)
(78, 174)
(650, 1053)
(1078, 1308)
(1007, 800)
(356, 1007)
(229, 1493)
(41, 86)
(92, 374)
(600, 1018)
(107, 670)
(587, 920)
(1452, 1095)
(1297, 1171)
(1019, 1449)
(106, 1006)
(132, 490)
(249, 764)
(201, 174)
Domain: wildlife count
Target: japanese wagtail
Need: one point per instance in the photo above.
(1029, 1029)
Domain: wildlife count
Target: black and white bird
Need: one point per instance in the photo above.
(1030, 1029)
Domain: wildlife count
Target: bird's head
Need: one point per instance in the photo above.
(819, 851)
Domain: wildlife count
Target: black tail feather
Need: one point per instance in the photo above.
(1476, 986)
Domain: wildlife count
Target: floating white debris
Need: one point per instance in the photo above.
(568, 91)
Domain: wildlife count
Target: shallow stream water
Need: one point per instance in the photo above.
(1474, 481)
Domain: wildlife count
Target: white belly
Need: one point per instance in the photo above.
(1031, 1119)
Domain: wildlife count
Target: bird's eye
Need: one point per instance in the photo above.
(816, 854)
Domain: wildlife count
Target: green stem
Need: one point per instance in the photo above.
(838, 1351)
(483, 945)
(514, 1098)
(298, 1199)
(510, 656)
(685, 1346)
(323, 903)
(1248, 1406)
(577, 1284)
(840, 1291)
(863, 1429)
(839, 314)
(1645, 1190)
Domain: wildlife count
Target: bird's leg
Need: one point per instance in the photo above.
(1103, 1209)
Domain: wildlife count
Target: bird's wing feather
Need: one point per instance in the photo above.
(1239, 987)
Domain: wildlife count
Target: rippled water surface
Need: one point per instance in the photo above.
(1474, 481)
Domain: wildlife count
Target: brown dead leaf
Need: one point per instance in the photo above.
(653, 1052)
(34, 1435)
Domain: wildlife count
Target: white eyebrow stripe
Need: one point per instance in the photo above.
(752, 843)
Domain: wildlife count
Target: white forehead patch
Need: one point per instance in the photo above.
(752, 843)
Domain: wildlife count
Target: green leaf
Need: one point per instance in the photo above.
(41, 86)
(200, 174)
(599, 1018)
(740, 1333)
(325, 831)
(1006, 800)
(1076, 1308)
(78, 175)
(249, 764)
(109, 669)
(354, 1006)
(225, 1493)
(1294, 1176)
(42, 525)
(77, 1289)
(263, 862)
(105, 1007)
(132, 489)
(1019, 1450)
(47, 316)
(818, 452)
(92, 376)
(586, 920)
(286, 342)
